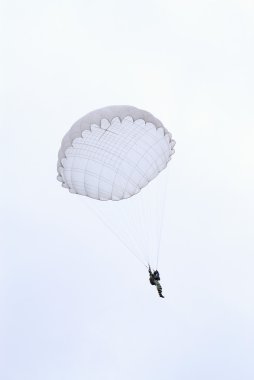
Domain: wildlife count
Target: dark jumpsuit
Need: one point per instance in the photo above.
(154, 280)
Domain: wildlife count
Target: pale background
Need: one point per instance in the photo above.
(74, 303)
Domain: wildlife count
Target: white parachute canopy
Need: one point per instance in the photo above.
(110, 155)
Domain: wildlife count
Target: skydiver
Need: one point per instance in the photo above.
(154, 278)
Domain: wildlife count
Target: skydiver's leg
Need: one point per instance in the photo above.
(159, 289)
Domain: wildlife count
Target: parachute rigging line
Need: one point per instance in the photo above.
(118, 237)
(161, 223)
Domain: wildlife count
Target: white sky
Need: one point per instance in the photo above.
(74, 303)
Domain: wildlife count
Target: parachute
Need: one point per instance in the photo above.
(110, 155)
